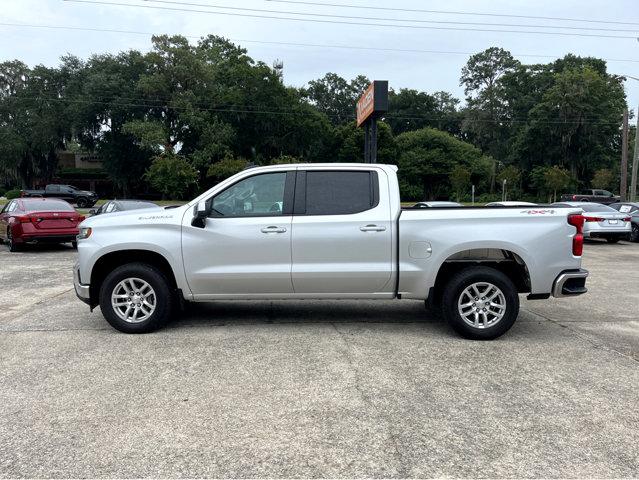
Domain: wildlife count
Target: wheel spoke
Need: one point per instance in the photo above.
(487, 310)
(133, 300)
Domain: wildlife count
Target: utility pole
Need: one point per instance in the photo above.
(635, 164)
(624, 158)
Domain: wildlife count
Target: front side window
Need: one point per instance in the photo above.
(340, 192)
(260, 195)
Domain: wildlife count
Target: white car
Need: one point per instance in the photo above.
(602, 221)
(437, 204)
(315, 231)
(510, 203)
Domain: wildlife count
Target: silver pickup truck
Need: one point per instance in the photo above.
(313, 231)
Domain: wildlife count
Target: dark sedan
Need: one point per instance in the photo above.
(38, 220)
(632, 209)
(122, 206)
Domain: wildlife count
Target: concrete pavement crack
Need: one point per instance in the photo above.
(583, 336)
(402, 470)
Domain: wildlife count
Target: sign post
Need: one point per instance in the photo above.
(370, 106)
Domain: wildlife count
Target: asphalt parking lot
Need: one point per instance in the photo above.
(318, 389)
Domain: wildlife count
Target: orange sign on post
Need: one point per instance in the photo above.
(366, 105)
(373, 100)
(371, 104)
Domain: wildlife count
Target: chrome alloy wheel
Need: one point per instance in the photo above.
(133, 300)
(482, 305)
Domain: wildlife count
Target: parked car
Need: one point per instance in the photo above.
(632, 209)
(603, 197)
(38, 220)
(333, 230)
(122, 206)
(602, 221)
(82, 198)
(510, 203)
(437, 204)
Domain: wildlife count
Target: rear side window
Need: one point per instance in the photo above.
(336, 192)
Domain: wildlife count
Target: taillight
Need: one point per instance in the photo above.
(23, 219)
(574, 197)
(627, 219)
(594, 219)
(577, 221)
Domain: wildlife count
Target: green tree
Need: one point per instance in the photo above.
(486, 101)
(604, 179)
(226, 168)
(427, 157)
(350, 144)
(460, 180)
(555, 178)
(172, 175)
(335, 96)
(576, 123)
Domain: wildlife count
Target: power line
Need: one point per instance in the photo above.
(453, 12)
(443, 22)
(339, 22)
(293, 113)
(297, 44)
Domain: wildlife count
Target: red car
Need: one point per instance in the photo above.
(38, 220)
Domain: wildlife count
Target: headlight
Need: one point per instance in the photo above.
(84, 232)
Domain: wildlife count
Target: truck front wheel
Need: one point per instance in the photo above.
(136, 298)
(480, 303)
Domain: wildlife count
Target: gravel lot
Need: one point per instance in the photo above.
(318, 389)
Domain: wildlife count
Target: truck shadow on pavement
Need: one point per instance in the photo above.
(307, 312)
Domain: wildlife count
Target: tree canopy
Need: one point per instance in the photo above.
(207, 108)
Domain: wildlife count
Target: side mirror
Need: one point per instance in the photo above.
(199, 215)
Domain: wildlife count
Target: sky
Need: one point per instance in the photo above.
(437, 65)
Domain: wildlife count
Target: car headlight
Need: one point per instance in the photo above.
(84, 232)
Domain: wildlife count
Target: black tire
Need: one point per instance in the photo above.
(163, 297)
(634, 235)
(466, 278)
(13, 246)
(82, 202)
(612, 239)
(74, 245)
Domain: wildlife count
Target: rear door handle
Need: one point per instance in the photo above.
(273, 229)
(372, 228)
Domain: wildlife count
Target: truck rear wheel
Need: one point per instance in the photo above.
(136, 298)
(480, 303)
(82, 202)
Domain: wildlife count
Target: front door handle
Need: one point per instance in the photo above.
(273, 229)
(372, 228)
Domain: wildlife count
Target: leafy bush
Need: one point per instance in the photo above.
(12, 194)
(226, 167)
(172, 175)
(2, 192)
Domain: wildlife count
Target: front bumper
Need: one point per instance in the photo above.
(570, 283)
(82, 291)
